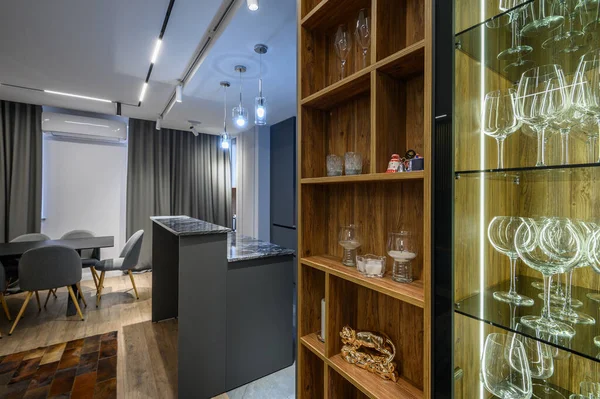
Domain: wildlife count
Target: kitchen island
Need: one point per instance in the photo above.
(232, 296)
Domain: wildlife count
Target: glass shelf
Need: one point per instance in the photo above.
(574, 172)
(507, 316)
(497, 35)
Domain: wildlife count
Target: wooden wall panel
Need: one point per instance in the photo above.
(400, 23)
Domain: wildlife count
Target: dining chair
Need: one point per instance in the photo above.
(34, 237)
(126, 261)
(89, 257)
(48, 268)
(2, 289)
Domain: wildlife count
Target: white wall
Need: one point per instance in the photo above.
(253, 182)
(84, 187)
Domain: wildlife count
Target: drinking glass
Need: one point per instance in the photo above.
(363, 34)
(353, 162)
(403, 248)
(587, 131)
(541, 365)
(541, 98)
(589, 389)
(501, 233)
(550, 246)
(568, 41)
(567, 311)
(570, 117)
(593, 255)
(334, 165)
(543, 16)
(504, 368)
(499, 119)
(586, 86)
(342, 44)
(350, 239)
(517, 49)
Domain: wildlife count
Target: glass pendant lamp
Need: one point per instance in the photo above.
(225, 136)
(239, 113)
(260, 103)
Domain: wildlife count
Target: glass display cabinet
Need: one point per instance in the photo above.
(522, 176)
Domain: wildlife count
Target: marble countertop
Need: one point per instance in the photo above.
(187, 226)
(241, 248)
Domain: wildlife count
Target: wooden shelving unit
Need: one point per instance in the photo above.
(381, 109)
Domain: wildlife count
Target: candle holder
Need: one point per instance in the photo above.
(402, 247)
(354, 163)
(371, 265)
(335, 165)
(350, 239)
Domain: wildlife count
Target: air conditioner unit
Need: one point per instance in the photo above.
(84, 128)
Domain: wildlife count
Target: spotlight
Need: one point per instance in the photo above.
(195, 131)
(179, 93)
(252, 5)
(158, 123)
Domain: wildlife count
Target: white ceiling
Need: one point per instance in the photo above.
(103, 49)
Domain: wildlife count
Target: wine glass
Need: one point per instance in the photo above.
(539, 357)
(499, 119)
(403, 248)
(541, 98)
(350, 239)
(568, 41)
(550, 246)
(504, 368)
(363, 34)
(566, 312)
(542, 19)
(589, 389)
(570, 117)
(516, 49)
(587, 131)
(586, 86)
(501, 233)
(342, 44)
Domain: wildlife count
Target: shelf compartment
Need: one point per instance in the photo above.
(400, 23)
(411, 293)
(344, 128)
(373, 386)
(311, 375)
(404, 63)
(312, 288)
(486, 309)
(351, 86)
(322, 68)
(340, 387)
(399, 117)
(369, 177)
(312, 342)
(364, 309)
(378, 207)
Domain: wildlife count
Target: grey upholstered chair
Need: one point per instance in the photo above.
(47, 268)
(89, 257)
(126, 261)
(35, 237)
(2, 289)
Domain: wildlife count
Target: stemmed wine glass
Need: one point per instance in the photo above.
(587, 130)
(501, 233)
(343, 44)
(516, 49)
(541, 98)
(571, 116)
(363, 34)
(543, 19)
(541, 364)
(350, 239)
(593, 255)
(589, 389)
(505, 371)
(566, 42)
(550, 246)
(499, 119)
(586, 86)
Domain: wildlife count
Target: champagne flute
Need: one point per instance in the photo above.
(499, 119)
(363, 34)
(342, 44)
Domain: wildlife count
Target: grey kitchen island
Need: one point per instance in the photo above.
(232, 296)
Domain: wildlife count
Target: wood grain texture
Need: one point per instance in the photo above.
(369, 177)
(310, 376)
(312, 289)
(400, 23)
(339, 387)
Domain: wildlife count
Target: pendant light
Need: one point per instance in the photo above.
(224, 136)
(239, 113)
(260, 103)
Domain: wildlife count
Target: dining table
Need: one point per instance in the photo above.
(17, 249)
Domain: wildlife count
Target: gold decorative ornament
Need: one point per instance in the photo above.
(374, 352)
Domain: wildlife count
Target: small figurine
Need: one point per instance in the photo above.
(394, 164)
(377, 353)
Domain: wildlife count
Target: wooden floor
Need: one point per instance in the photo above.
(147, 361)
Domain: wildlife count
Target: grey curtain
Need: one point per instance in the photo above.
(20, 169)
(172, 172)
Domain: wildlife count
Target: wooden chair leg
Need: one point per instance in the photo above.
(81, 294)
(74, 298)
(133, 283)
(5, 306)
(37, 298)
(27, 299)
(100, 287)
(94, 276)
(47, 298)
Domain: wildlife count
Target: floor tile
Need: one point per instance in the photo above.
(70, 358)
(108, 348)
(106, 389)
(53, 353)
(88, 363)
(107, 368)
(43, 376)
(26, 370)
(83, 388)
(63, 382)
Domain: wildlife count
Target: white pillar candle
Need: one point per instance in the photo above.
(323, 319)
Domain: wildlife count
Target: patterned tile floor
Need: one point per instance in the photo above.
(83, 368)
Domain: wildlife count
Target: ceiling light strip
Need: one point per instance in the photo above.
(60, 93)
